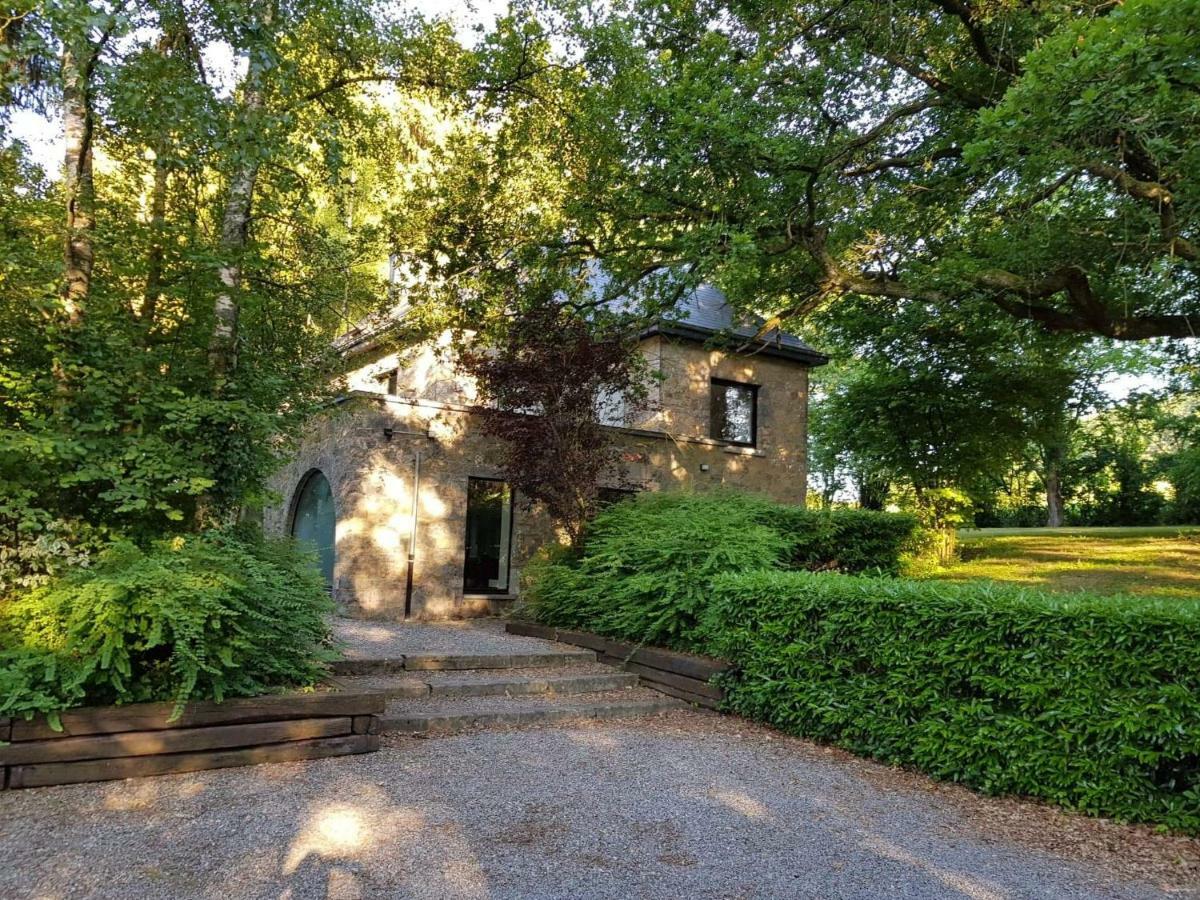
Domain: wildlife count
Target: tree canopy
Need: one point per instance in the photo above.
(1033, 158)
(953, 193)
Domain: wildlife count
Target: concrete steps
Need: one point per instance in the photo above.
(444, 693)
(440, 662)
(580, 679)
(442, 716)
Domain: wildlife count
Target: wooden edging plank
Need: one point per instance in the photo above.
(696, 667)
(656, 677)
(365, 725)
(175, 740)
(238, 710)
(706, 702)
(582, 639)
(684, 664)
(38, 775)
(531, 629)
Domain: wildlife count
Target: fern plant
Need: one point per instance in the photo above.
(210, 616)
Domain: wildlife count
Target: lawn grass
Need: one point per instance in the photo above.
(1159, 562)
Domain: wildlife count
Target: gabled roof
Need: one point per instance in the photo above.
(705, 315)
(702, 314)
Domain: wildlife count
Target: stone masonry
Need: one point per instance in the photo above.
(367, 444)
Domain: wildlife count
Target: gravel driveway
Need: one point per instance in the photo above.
(684, 806)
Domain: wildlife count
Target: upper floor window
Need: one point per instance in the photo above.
(390, 382)
(611, 409)
(734, 412)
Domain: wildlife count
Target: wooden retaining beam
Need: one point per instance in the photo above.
(105, 743)
(680, 675)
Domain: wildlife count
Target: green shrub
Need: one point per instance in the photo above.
(647, 564)
(1093, 703)
(210, 616)
(847, 540)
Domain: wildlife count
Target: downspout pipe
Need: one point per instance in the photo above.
(412, 535)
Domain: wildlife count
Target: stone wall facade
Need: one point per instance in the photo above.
(368, 445)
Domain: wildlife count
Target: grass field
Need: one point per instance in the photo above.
(1149, 562)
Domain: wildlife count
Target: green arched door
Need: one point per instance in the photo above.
(313, 520)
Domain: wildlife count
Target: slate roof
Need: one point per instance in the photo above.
(705, 315)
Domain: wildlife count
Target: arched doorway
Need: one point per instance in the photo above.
(313, 519)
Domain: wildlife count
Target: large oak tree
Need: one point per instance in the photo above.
(1037, 159)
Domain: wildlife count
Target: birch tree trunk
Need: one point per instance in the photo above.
(239, 202)
(80, 189)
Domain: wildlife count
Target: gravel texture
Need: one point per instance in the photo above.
(684, 805)
(363, 639)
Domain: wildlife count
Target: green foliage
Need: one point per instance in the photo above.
(993, 159)
(118, 420)
(1185, 476)
(646, 566)
(845, 540)
(210, 616)
(1090, 702)
(647, 563)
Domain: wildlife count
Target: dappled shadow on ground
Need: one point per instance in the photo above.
(690, 805)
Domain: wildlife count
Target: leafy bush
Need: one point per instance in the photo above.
(848, 540)
(211, 616)
(1093, 703)
(1185, 476)
(647, 563)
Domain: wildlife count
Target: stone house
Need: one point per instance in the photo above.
(411, 517)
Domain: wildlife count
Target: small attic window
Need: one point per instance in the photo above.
(390, 382)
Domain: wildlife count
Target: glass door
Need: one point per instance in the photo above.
(488, 537)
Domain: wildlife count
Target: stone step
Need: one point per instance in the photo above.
(441, 716)
(581, 679)
(435, 662)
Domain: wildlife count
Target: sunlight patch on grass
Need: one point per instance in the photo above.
(1146, 562)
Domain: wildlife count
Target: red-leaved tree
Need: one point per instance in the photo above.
(541, 387)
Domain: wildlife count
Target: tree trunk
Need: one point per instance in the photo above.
(872, 490)
(154, 258)
(1053, 479)
(80, 189)
(239, 200)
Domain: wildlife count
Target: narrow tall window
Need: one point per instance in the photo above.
(735, 412)
(488, 537)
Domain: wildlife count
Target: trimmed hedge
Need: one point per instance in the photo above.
(1090, 702)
